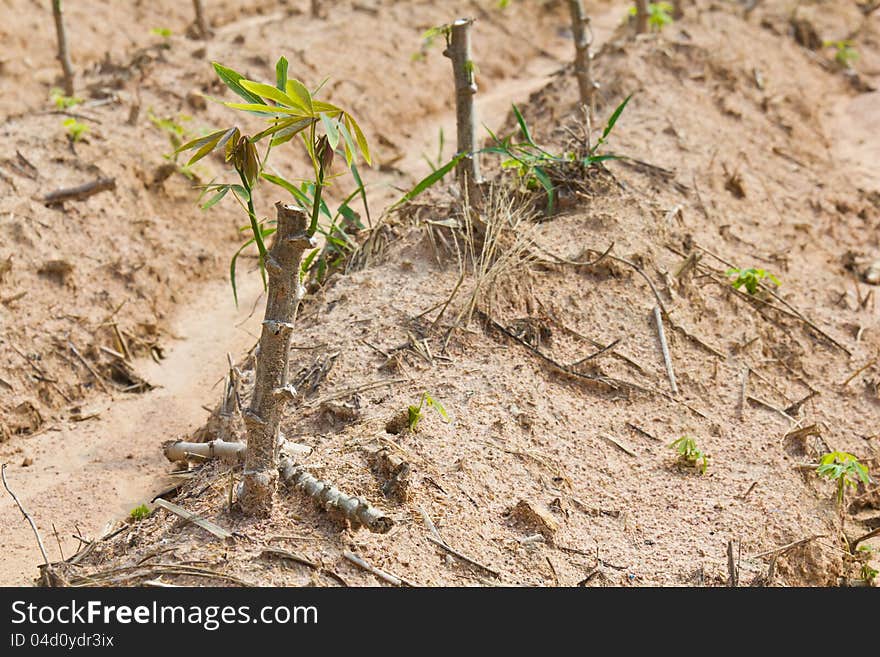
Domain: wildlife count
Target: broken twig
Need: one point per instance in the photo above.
(664, 347)
(79, 192)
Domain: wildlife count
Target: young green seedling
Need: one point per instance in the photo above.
(659, 15)
(61, 101)
(438, 162)
(844, 52)
(844, 470)
(75, 130)
(689, 454)
(415, 414)
(163, 32)
(139, 513)
(750, 278)
(176, 132)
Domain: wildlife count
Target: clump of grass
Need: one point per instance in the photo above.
(689, 454)
(844, 470)
(750, 278)
(139, 513)
(75, 130)
(415, 413)
(535, 165)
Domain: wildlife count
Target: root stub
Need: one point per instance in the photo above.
(358, 511)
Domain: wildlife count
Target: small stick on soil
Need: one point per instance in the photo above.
(787, 547)
(430, 524)
(207, 525)
(595, 354)
(88, 366)
(748, 491)
(279, 553)
(732, 566)
(771, 407)
(614, 441)
(792, 409)
(857, 372)
(63, 54)
(442, 544)
(870, 534)
(351, 391)
(638, 429)
(697, 341)
(643, 275)
(744, 382)
(79, 192)
(664, 347)
(49, 576)
(385, 576)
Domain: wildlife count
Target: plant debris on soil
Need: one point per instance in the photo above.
(538, 336)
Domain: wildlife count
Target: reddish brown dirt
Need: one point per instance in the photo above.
(765, 151)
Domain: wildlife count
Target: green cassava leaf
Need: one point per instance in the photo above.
(296, 89)
(232, 79)
(281, 74)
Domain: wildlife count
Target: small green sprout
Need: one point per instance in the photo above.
(428, 38)
(659, 14)
(438, 163)
(163, 32)
(75, 130)
(751, 278)
(844, 52)
(173, 128)
(844, 469)
(61, 101)
(139, 513)
(868, 574)
(414, 413)
(689, 454)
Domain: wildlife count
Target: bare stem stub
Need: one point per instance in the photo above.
(641, 16)
(284, 294)
(63, 54)
(583, 61)
(201, 20)
(459, 51)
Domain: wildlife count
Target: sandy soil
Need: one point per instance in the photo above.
(769, 165)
